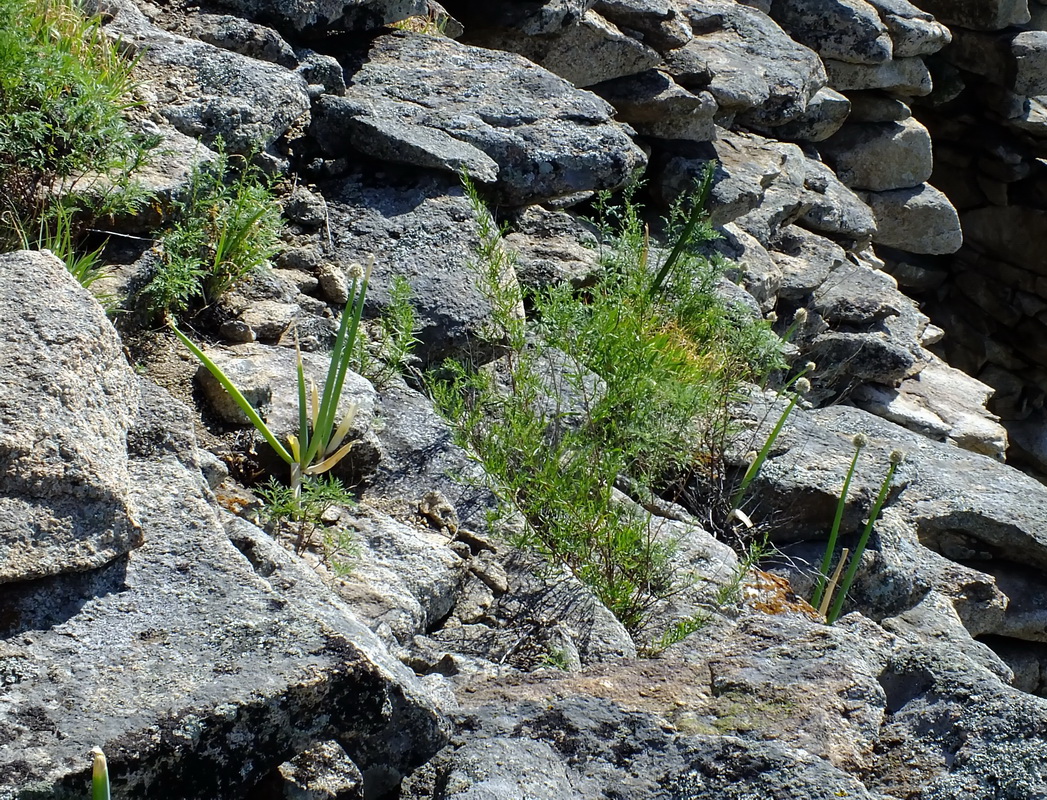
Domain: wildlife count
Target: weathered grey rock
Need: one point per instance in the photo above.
(316, 17)
(188, 667)
(306, 208)
(65, 495)
(405, 578)
(782, 201)
(826, 111)
(880, 156)
(750, 265)
(747, 62)
(547, 609)
(421, 227)
(323, 772)
(166, 176)
(589, 52)
(943, 403)
(917, 220)
(553, 247)
(877, 107)
(831, 208)
(994, 15)
(904, 76)
(746, 165)
(419, 455)
(1029, 50)
(655, 105)
(529, 132)
(321, 70)
(207, 92)
(540, 18)
(658, 24)
(845, 30)
(805, 261)
(913, 32)
(243, 37)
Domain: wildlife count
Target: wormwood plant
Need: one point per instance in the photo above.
(304, 516)
(228, 225)
(66, 149)
(669, 356)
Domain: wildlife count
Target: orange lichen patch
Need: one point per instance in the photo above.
(234, 499)
(773, 594)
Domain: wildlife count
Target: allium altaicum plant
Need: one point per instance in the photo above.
(897, 457)
(318, 447)
(860, 440)
(801, 386)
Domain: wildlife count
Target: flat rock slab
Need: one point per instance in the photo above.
(189, 668)
(747, 62)
(432, 102)
(65, 500)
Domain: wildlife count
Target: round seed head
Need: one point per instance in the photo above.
(803, 386)
(860, 440)
(771, 317)
(800, 317)
(355, 271)
(897, 457)
(810, 366)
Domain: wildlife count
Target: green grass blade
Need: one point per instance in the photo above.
(239, 399)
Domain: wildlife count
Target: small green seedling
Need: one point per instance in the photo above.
(99, 776)
(318, 447)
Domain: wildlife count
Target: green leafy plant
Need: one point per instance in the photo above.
(228, 226)
(896, 458)
(64, 88)
(319, 445)
(652, 375)
(387, 350)
(99, 775)
(66, 148)
(860, 441)
(304, 514)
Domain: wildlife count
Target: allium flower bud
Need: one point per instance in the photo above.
(897, 457)
(803, 386)
(860, 440)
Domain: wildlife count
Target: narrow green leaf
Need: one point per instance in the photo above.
(239, 399)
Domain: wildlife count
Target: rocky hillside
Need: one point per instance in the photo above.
(873, 163)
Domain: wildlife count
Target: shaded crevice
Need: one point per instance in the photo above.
(1027, 660)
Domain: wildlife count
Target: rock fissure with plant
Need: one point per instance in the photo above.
(560, 500)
